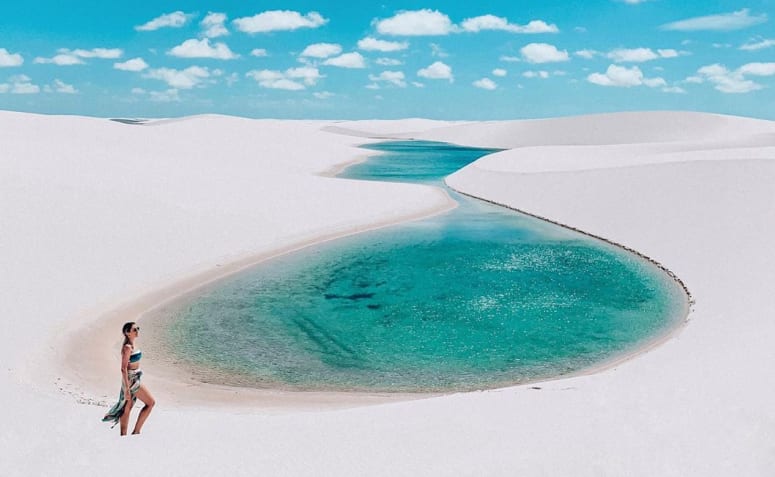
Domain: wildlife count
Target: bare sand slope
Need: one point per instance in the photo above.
(95, 213)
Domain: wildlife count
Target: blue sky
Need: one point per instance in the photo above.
(335, 60)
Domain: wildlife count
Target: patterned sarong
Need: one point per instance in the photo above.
(117, 410)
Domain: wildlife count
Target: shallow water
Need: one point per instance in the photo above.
(475, 298)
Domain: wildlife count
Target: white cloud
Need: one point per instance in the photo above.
(674, 89)
(510, 59)
(733, 82)
(372, 86)
(322, 94)
(757, 69)
(292, 79)
(138, 91)
(416, 23)
(260, 52)
(322, 50)
(491, 22)
(66, 57)
(620, 76)
(231, 79)
(747, 47)
(10, 59)
(417, 84)
(587, 54)
(536, 74)
(194, 48)
(372, 44)
(347, 60)
(388, 62)
(277, 20)
(213, 25)
(19, 84)
(499, 72)
(722, 22)
(639, 55)
(722, 45)
(438, 51)
(485, 83)
(62, 87)
(103, 53)
(135, 64)
(60, 60)
(437, 70)
(395, 78)
(309, 74)
(173, 20)
(543, 53)
(180, 79)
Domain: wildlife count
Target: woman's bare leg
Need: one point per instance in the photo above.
(124, 419)
(145, 396)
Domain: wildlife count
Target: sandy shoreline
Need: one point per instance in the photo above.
(178, 386)
(91, 351)
(99, 212)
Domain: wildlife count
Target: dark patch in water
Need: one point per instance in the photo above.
(354, 296)
(373, 307)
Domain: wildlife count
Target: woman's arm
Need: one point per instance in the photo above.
(125, 352)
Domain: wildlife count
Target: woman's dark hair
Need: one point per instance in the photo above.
(125, 329)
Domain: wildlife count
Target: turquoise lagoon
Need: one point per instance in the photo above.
(478, 297)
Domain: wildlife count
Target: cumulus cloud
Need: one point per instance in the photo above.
(757, 69)
(587, 54)
(416, 23)
(322, 94)
(194, 48)
(135, 64)
(60, 86)
(67, 57)
(499, 72)
(395, 78)
(292, 79)
(213, 25)
(103, 53)
(19, 84)
(388, 62)
(437, 70)
(536, 74)
(260, 52)
(347, 60)
(172, 20)
(510, 59)
(543, 53)
(372, 44)
(485, 83)
(279, 20)
(60, 60)
(750, 46)
(639, 55)
(733, 82)
(180, 79)
(491, 22)
(722, 22)
(622, 77)
(10, 59)
(438, 51)
(322, 50)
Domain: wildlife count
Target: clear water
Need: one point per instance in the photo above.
(476, 298)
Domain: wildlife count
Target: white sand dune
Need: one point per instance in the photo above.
(94, 214)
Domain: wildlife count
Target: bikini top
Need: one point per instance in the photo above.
(135, 356)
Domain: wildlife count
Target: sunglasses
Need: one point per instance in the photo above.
(136, 329)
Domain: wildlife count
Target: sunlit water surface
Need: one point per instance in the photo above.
(475, 298)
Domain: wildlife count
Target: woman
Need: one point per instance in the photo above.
(130, 384)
